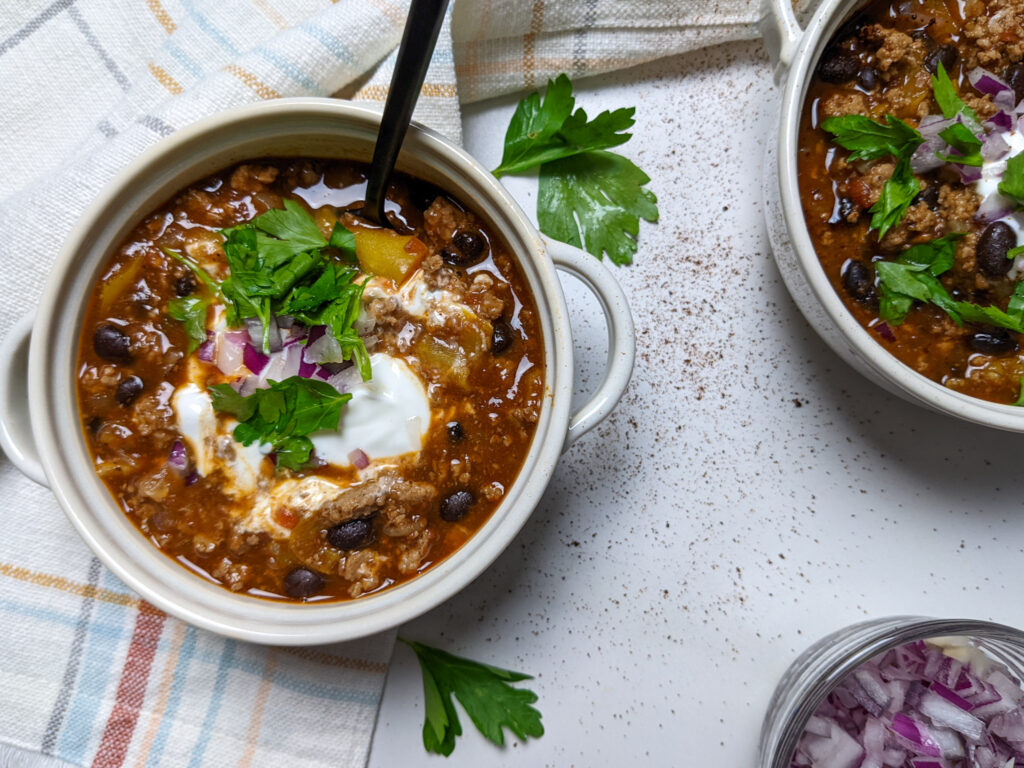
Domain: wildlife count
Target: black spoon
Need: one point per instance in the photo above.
(421, 29)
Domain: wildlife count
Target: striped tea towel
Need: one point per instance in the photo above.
(90, 674)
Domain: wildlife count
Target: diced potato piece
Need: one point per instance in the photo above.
(388, 254)
(325, 218)
(117, 284)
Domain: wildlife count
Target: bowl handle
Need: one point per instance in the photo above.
(621, 336)
(15, 424)
(781, 32)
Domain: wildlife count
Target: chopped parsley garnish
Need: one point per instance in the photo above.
(482, 690)
(915, 276)
(960, 138)
(1012, 185)
(868, 140)
(1013, 253)
(948, 99)
(898, 193)
(191, 311)
(588, 197)
(283, 415)
(280, 265)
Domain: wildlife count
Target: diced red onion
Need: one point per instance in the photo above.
(950, 696)
(994, 147)
(207, 349)
(883, 330)
(358, 459)
(253, 359)
(228, 356)
(192, 478)
(285, 322)
(325, 349)
(961, 710)
(178, 459)
(985, 82)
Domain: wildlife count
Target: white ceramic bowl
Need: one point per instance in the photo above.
(795, 53)
(44, 438)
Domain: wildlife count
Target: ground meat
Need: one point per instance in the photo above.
(418, 548)
(997, 35)
(387, 494)
(152, 413)
(249, 176)
(485, 293)
(894, 47)
(920, 224)
(957, 205)
(362, 568)
(839, 104)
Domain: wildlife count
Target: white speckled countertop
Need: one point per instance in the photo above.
(750, 494)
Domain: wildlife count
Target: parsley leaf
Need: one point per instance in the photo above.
(534, 125)
(1013, 253)
(595, 201)
(947, 97)
(588, 197)
(898, 193)
(960, 138)
(482, 690)
(283, 415)
(868, 140)
(1012, 184)
(190, 311)
(914, 276)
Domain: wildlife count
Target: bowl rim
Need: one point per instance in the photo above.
(154, 575)
(917, 387)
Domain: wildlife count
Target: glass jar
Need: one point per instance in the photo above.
(825, 664)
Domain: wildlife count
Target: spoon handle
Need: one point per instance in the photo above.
(421, 29)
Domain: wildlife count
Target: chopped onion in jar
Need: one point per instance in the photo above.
(936, 704)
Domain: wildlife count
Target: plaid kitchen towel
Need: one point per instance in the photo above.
(90, 674)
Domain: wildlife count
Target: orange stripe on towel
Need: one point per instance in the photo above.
(67, 585)
(258, 707)
(162, 16)
(165, 79)
(263, 90)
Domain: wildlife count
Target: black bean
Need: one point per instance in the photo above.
(456, 434)
(471, 244)
(929, 195)
(1015, 79)
(95, 423)
(466, 249)
(111, 343)
(867, 78)
(455, 506)
(186, 284)
(303, 582)
(501, 337)
(838, 66)
(944, 54)
(992, 341)
(844, 207)
(128, 389)
(858, 280)
(351, 534)
(993, 244)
